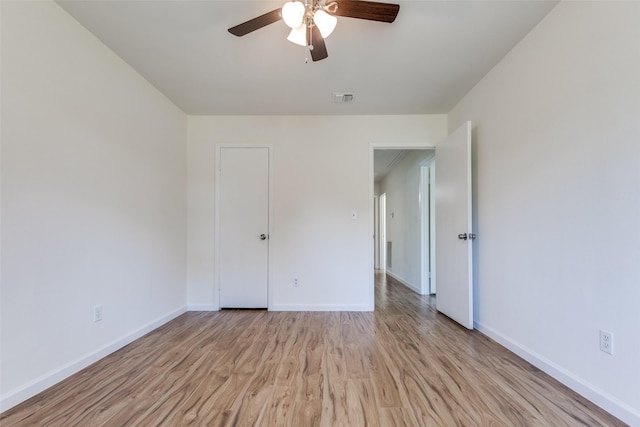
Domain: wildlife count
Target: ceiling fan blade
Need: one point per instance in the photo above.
(314, 38)
(373, 11)
(256, 23)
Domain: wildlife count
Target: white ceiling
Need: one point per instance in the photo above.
(423, 63)
(385, 160)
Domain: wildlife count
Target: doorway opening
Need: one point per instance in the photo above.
(404, 220)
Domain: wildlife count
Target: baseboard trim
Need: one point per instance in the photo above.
(596, 395)
(202, 307)
(15, 397)
(408, 284)
(320, 308)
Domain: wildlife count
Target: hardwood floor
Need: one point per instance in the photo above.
(404, 365)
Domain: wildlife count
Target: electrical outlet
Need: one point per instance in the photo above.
(295, 282)
(97, 313)
(606, 341)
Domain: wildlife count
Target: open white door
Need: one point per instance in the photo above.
(243, 228)
(454, 233)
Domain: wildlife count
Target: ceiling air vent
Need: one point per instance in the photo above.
(342, 98)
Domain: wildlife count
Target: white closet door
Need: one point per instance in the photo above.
(243, 227)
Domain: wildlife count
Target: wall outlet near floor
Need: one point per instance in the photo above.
(606, 341)
(97, 313)
(295, 282)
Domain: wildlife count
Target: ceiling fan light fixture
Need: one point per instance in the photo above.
(311, 21)
(325, 22)
(293, 13)
(298, 35)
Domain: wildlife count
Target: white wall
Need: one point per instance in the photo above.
(320, 173)
(557, 173)
(93, 200)
(93, 179)
(402, 186)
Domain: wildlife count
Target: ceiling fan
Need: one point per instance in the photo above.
(311, 21)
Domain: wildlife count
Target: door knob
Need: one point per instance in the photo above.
(263, 237)
(465, 236)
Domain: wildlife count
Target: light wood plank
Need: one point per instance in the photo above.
(403, 365)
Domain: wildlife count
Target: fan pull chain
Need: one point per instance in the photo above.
(306, 51)
(309, 45)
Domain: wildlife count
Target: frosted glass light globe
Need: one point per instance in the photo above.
(326, 23)
(298, 35)
(293, 13)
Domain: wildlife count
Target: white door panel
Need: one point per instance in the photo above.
(453, 218)
(244, 218)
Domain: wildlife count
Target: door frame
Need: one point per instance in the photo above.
(382, 226)
(428, 225)
(376, 233)
(383, 146)
(216, 225)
